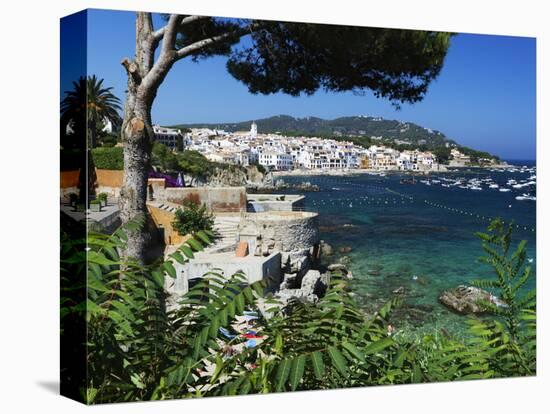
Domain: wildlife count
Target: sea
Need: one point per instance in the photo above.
(417, 240)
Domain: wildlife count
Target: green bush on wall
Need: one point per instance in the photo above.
(192, 218)
(106, 158)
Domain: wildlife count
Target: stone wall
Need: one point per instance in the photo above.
(68, 183)
(458, 163)
(283, 247)
(274, 202)
(69, 179)
(288, 230)
(295, 234)
(226, 264)
(216, 199)
(109, 182)
(163, 220)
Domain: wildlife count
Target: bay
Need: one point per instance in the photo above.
(419, 239)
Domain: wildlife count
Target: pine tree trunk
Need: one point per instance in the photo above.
(144, 79)
(137, 137)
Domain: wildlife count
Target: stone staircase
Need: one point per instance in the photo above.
(226, 229)
(170, 207)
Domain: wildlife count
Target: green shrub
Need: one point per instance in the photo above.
(108, 158)
(108, 140)
(260, 167)
(196, 164)
(163, 157)
(192, 218)
(138, 350)
(102, 197)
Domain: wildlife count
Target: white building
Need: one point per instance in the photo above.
(276, 160)
(278, 152)
(458, 159)
(253, 130)
(426, 160)
(167, 136)
(408, 161)
(383, 158)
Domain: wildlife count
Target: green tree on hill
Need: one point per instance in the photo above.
(442, 154)
(164, 158)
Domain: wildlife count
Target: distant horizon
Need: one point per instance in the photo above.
(484, 97)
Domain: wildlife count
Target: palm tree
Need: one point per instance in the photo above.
(100, 104)
(84, 109)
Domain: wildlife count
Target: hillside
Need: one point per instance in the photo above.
(363, 130)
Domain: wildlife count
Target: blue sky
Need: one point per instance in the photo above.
(485, 96)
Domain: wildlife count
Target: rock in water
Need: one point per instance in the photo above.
(326, 249)
(345, 260)
(289, 281)
(337, 266)
(313, 286)
(345, 249)
(341, 269)
(468, 299)
(399, 291)
(310, 282)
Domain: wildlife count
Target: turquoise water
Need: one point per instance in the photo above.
(416, 238)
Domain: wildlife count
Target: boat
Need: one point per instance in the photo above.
(504, 190)
(526, 196)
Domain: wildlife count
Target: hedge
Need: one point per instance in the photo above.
(106, 158)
